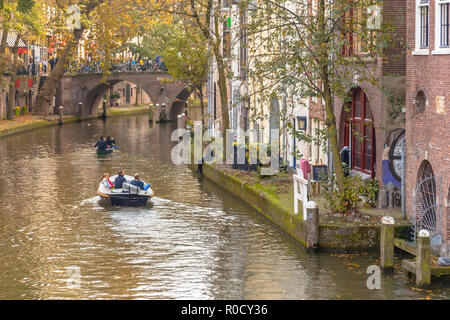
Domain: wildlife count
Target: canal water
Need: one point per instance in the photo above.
(193, 241)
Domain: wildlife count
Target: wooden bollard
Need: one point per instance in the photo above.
(387, 242)
(156, 113)
(150, 112)
(61, 115)
(179, 125)
(104, 109)
(312, 225)
(423, 258)
(80, 111)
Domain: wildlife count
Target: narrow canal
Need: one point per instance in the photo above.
(194, 241)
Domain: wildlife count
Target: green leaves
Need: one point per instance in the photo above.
(25, 6)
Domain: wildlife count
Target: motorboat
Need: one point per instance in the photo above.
(108, 150)
(129, 195)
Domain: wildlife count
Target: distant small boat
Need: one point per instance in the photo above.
(129, 195)
(106, 151)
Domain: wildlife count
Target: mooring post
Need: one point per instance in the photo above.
(183, 121)
(387, 242)
(164, 113)
(179, 122)
(150, 112)
(80, 110)
(61, 115)
(156, 113)
(423, 258)
(312, 226)
(104, 109)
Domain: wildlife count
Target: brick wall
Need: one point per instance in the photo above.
(394, 17)
(427, 133)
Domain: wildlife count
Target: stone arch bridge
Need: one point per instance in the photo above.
(89, 89)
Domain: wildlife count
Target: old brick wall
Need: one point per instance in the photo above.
(394, 18)
(390, 70)
(427, 133)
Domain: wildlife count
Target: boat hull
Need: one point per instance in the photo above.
(128, 200)
(124, 200)
(107, 151)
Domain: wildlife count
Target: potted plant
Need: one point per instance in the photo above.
(17, 110)
(24, 110)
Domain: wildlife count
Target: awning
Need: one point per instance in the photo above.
(11, 40)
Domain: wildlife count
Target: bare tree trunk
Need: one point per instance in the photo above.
(332, 132)
(202, 103)
(222, 81)
(3, 62)
(4, 38)
(324, 61)
(12, 81)
(11, 100)
(48, 90)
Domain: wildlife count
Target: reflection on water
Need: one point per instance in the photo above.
(193, 240)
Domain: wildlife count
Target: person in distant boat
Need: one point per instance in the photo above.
(110, 142)
(118, 182)
(101, 144)
(138, 182)
(106, 182)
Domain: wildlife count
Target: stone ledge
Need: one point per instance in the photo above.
(332, 238)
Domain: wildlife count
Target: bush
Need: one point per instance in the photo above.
(369, 190)
(351, 200)
(17, 110)
(24, 110)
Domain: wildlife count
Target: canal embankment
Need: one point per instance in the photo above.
(273, 198)
(26, 123)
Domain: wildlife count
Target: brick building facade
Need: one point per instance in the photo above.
(378, 115)
(427, 116)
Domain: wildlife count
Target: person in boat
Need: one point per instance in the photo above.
(138, 182)
(110, 142)
(101, 144)
(106, 182)
(118, 182)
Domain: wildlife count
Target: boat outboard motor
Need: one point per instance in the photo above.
(130, 188)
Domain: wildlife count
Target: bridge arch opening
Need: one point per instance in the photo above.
(179, 105)
(118, 93)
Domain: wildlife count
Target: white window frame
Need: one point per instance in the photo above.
(437, 29)
(418, 50)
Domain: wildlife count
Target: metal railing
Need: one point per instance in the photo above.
(128, 66)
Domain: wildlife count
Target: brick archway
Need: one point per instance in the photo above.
(89, 90)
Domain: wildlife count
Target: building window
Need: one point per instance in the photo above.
(444, 26)
(243, 53)
(421, 102)
(347, 30)
(360, 134)
(425, 196)
(356, 40)
(227, 37)
(424, 26)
